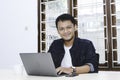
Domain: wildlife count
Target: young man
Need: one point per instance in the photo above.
(70, 53)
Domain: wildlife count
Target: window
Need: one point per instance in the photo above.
(48, 10)
(117, 33)
(98, 21)
(91, 24)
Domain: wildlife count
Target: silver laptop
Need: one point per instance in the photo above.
(38, 64)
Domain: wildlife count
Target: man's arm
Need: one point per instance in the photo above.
(79, 70)
(82, 69)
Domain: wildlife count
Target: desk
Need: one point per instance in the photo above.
(102, 75)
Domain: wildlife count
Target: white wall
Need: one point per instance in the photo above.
(18, 30)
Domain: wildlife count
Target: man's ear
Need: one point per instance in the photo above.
(76, 27)
(58, 31)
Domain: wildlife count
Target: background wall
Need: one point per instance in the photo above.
(18, 30)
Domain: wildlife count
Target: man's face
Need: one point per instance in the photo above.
(66, 29)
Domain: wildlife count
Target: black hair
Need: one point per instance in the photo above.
(65, 17)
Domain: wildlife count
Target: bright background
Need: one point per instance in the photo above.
(18, 30)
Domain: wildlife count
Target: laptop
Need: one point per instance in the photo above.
(40, 64)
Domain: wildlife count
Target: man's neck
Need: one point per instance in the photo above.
(69, 42)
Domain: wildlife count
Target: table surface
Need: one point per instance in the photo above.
(101, 75)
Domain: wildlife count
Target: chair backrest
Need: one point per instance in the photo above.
(97, 56)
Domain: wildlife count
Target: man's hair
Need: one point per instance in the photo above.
(65, 17)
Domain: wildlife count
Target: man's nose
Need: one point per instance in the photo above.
(65, 30)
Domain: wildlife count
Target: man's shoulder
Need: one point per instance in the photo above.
(82, 40)
(57, 41)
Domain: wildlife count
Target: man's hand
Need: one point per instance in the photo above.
(64, 70)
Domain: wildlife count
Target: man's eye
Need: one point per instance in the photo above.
(61, 29)
(69, 27)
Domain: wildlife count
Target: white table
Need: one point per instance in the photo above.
(102, 75)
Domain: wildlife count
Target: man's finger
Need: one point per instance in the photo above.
(60, 71)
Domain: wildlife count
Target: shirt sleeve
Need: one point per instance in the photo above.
(91, 67)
